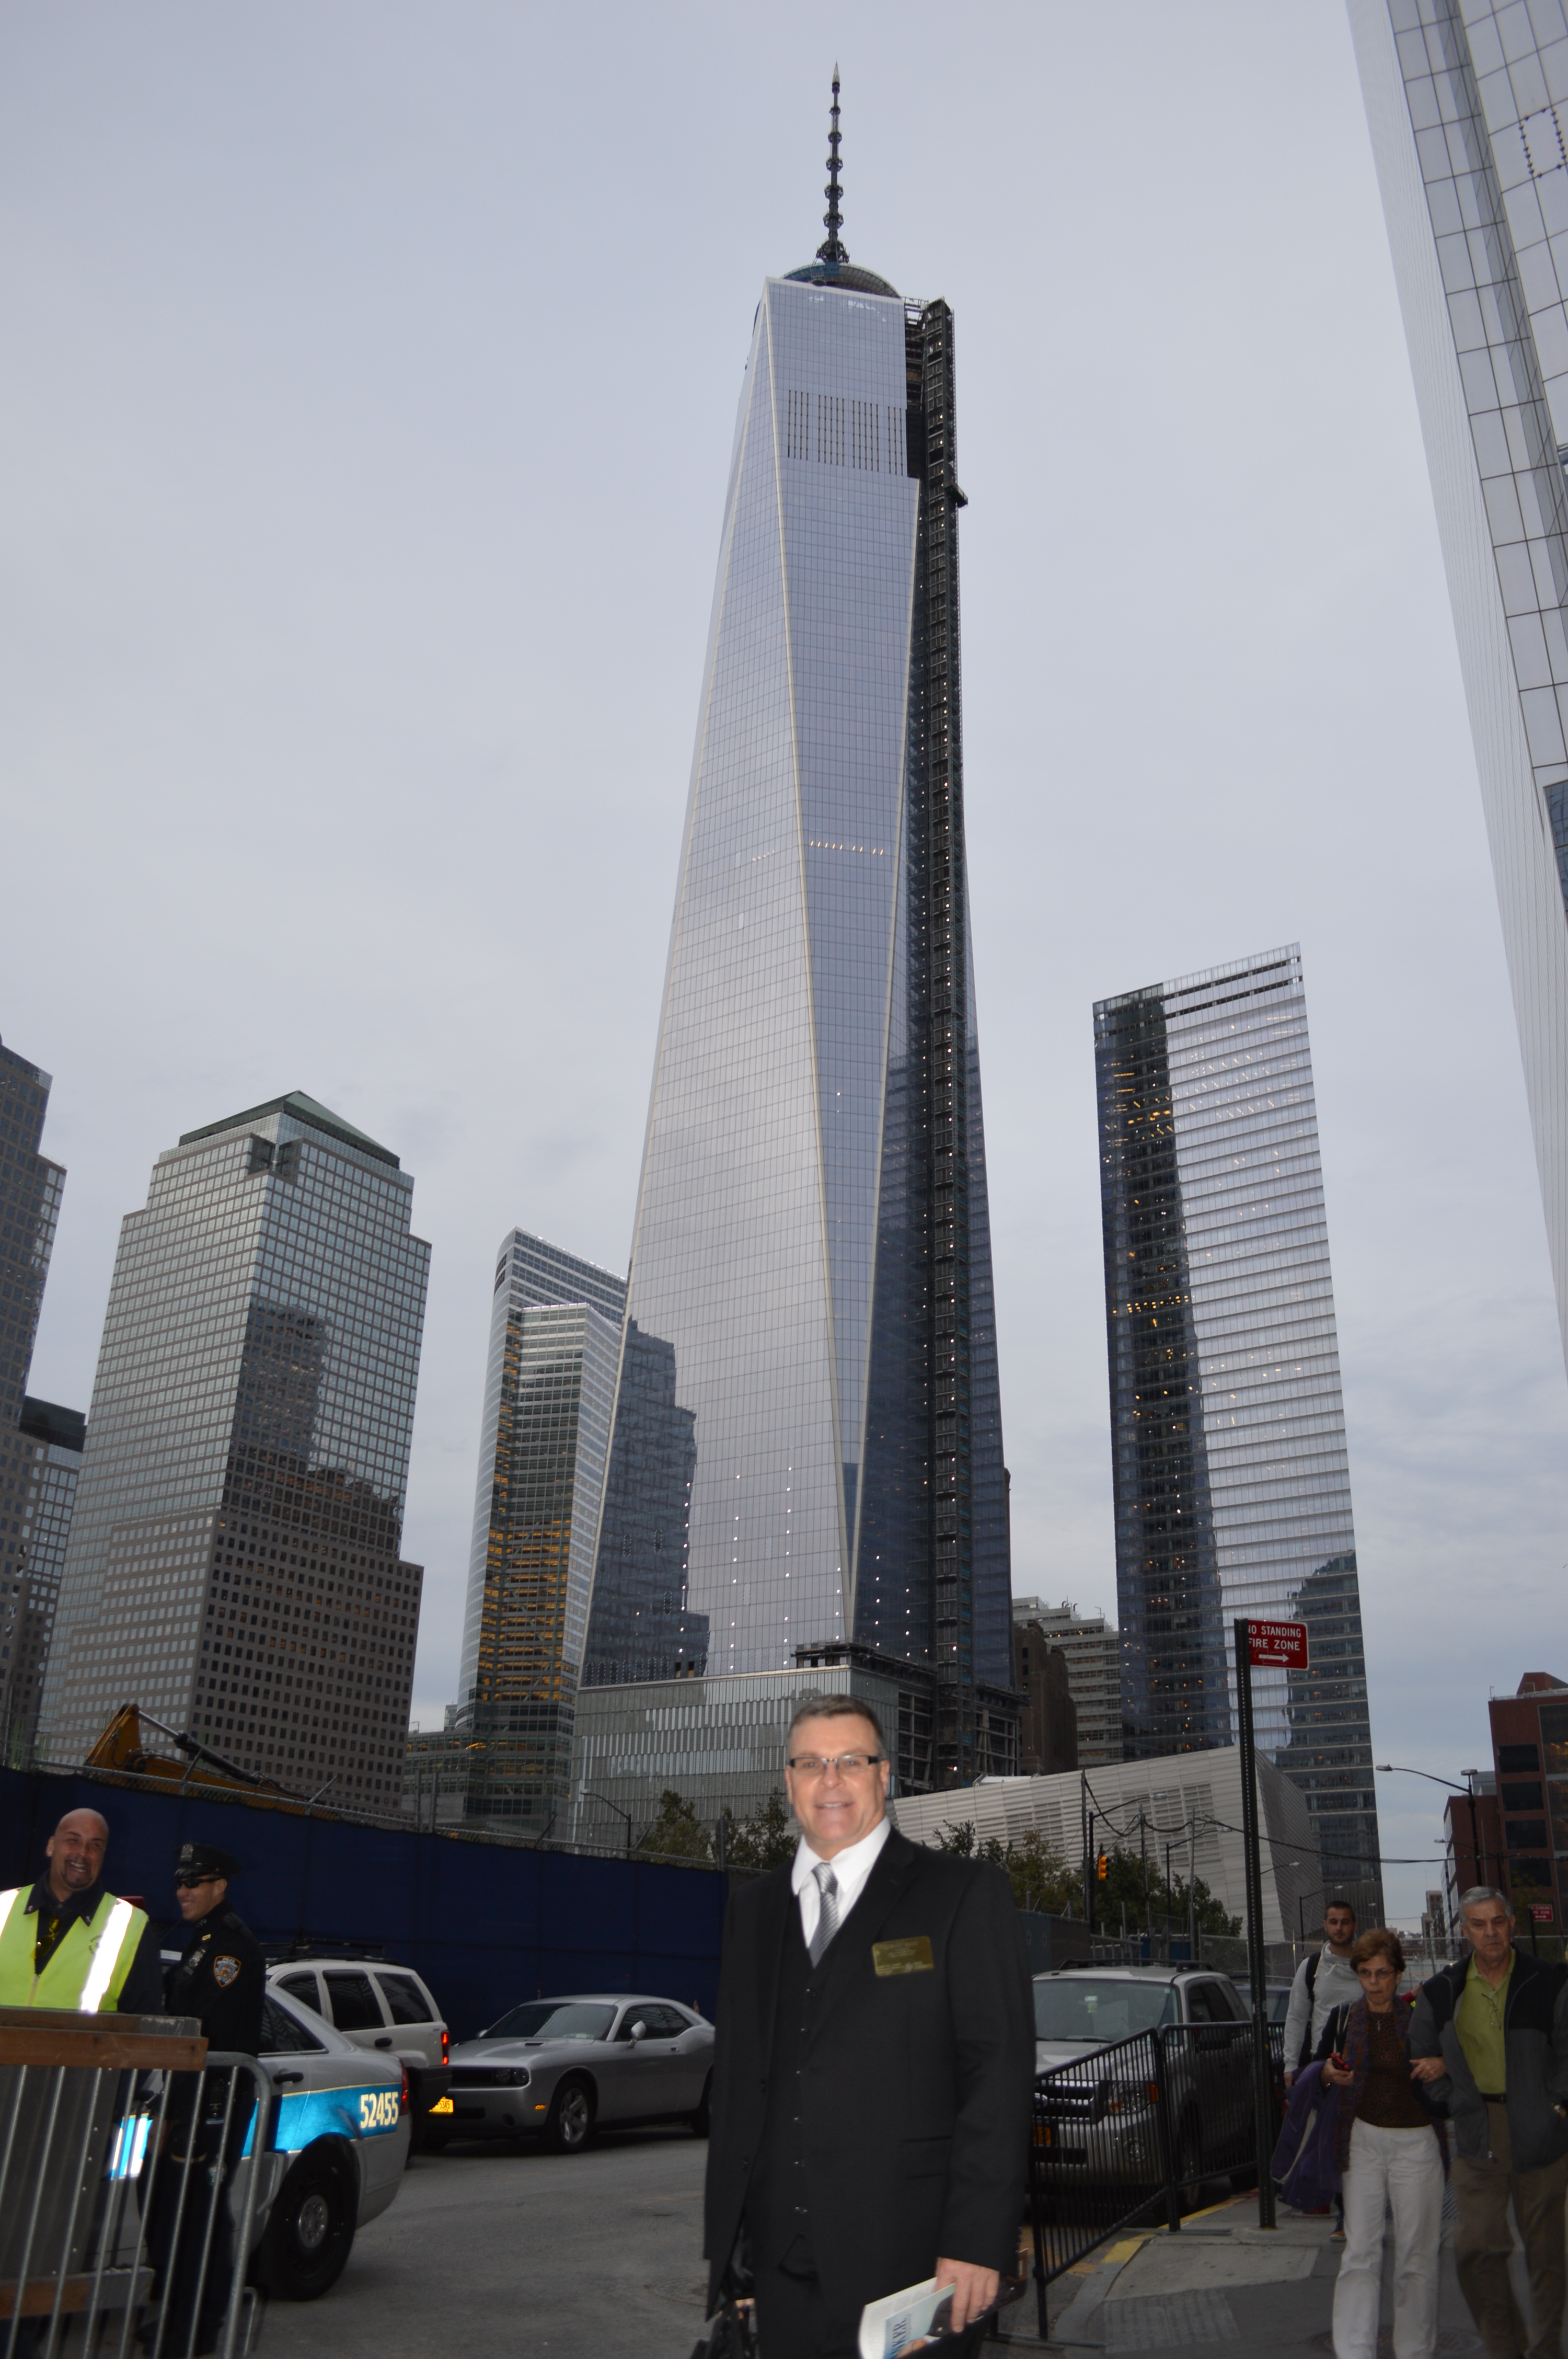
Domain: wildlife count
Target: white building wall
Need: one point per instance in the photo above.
(1187, 1799)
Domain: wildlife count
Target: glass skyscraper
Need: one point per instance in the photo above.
(1468, 109)
(233, 1565)
(811, 1243)
(30, 1187)
(1227, 1427)
(54, 1440)
(554, 1347)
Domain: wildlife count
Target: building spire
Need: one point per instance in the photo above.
(833, 248)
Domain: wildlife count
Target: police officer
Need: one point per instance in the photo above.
(222, 1975)
(221, 1980)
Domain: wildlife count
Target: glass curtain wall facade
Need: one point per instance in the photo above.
(30, 1189)
(554, 1344)
(1468, 109)
(1232, 1479)
(812, 1241)
(56, 1438)
(233, 1565)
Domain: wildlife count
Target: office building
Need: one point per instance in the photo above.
(1465, 102)
(812, 1241)
(53, 1441)
(1093, 1652)
(437, 1769)
(234, 1563)
(1473, 1846)
(1228, 1429)
(1530, 1754)
(1048, 1731)
(718, 1741)
(555, 1346)
(30, 1187)
(1184, 1811)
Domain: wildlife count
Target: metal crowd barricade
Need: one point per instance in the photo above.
(126, 2187)
(1140, 2130)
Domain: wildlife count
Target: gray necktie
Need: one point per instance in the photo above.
(827, 1910)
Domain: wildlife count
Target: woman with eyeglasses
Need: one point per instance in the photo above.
(1390, 2150)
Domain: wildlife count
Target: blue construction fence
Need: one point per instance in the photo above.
(486, 1925)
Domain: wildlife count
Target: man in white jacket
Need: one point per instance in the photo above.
(1323, 1981)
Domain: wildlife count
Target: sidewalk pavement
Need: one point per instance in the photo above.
(1221, 2288)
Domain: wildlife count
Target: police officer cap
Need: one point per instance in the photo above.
(197, 1862)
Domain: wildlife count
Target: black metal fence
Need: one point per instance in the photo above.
(128, 2195)
(1141, 2131)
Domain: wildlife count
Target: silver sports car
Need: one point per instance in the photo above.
(561, 2066)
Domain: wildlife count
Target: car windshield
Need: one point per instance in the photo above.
(553, 2018)
(1083, 2007)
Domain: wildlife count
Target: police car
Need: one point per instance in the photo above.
(339, 2144)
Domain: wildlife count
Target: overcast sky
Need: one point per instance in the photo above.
(368, 377)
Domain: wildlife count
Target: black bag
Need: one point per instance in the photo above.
(732, 2335)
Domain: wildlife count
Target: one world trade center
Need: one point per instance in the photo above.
(811, 1260)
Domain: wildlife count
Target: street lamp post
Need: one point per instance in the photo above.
(1397, 1769)
(586, 1794)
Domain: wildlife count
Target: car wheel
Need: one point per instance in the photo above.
(700, 2120)
(310, 2232)
(433, 2142)
(568, 2125)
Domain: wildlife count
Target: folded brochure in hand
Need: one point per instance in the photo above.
(906, 2321)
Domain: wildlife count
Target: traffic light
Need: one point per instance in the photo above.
(1102, 1866)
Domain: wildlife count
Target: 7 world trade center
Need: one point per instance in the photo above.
(1467, 103)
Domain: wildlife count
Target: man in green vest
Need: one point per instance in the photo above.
(65, 1942)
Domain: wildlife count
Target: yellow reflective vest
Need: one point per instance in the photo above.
(87, 1971)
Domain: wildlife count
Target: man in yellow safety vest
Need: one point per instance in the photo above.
(65, 1942)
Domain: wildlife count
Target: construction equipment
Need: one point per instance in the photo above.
(121, 1753)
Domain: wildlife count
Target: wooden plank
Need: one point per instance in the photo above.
(99, 2050)
(38, 2293)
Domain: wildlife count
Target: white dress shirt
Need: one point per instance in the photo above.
(850, 1867)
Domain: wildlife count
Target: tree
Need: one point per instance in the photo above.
(676, 1833)
(1040, 1877)
(764, 1842)
(1124, 1882)
(1042, 1880)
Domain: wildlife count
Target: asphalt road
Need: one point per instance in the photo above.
(484, 2251)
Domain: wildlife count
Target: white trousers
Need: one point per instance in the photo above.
(1399, 2170)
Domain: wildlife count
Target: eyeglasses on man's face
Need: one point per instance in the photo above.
(848, 1765)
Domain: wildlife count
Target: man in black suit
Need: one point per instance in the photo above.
(874, 2061)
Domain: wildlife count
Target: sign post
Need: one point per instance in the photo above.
(1267, 1643)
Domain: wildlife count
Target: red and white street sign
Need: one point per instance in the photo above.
(1281, 1644)
(1542, 1911)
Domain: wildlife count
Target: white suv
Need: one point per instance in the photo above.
(379, 2006)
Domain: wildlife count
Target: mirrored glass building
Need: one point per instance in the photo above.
(30, 1190)
(1231, 1474)
(812, 1240)
(234, 1566)
(53, 1441)
(555, 1348)
(1468, 108)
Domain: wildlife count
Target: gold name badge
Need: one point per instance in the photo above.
(911, 1957)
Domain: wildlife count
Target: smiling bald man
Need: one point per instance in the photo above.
(66, 1942)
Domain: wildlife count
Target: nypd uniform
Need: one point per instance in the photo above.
(221, 1980)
